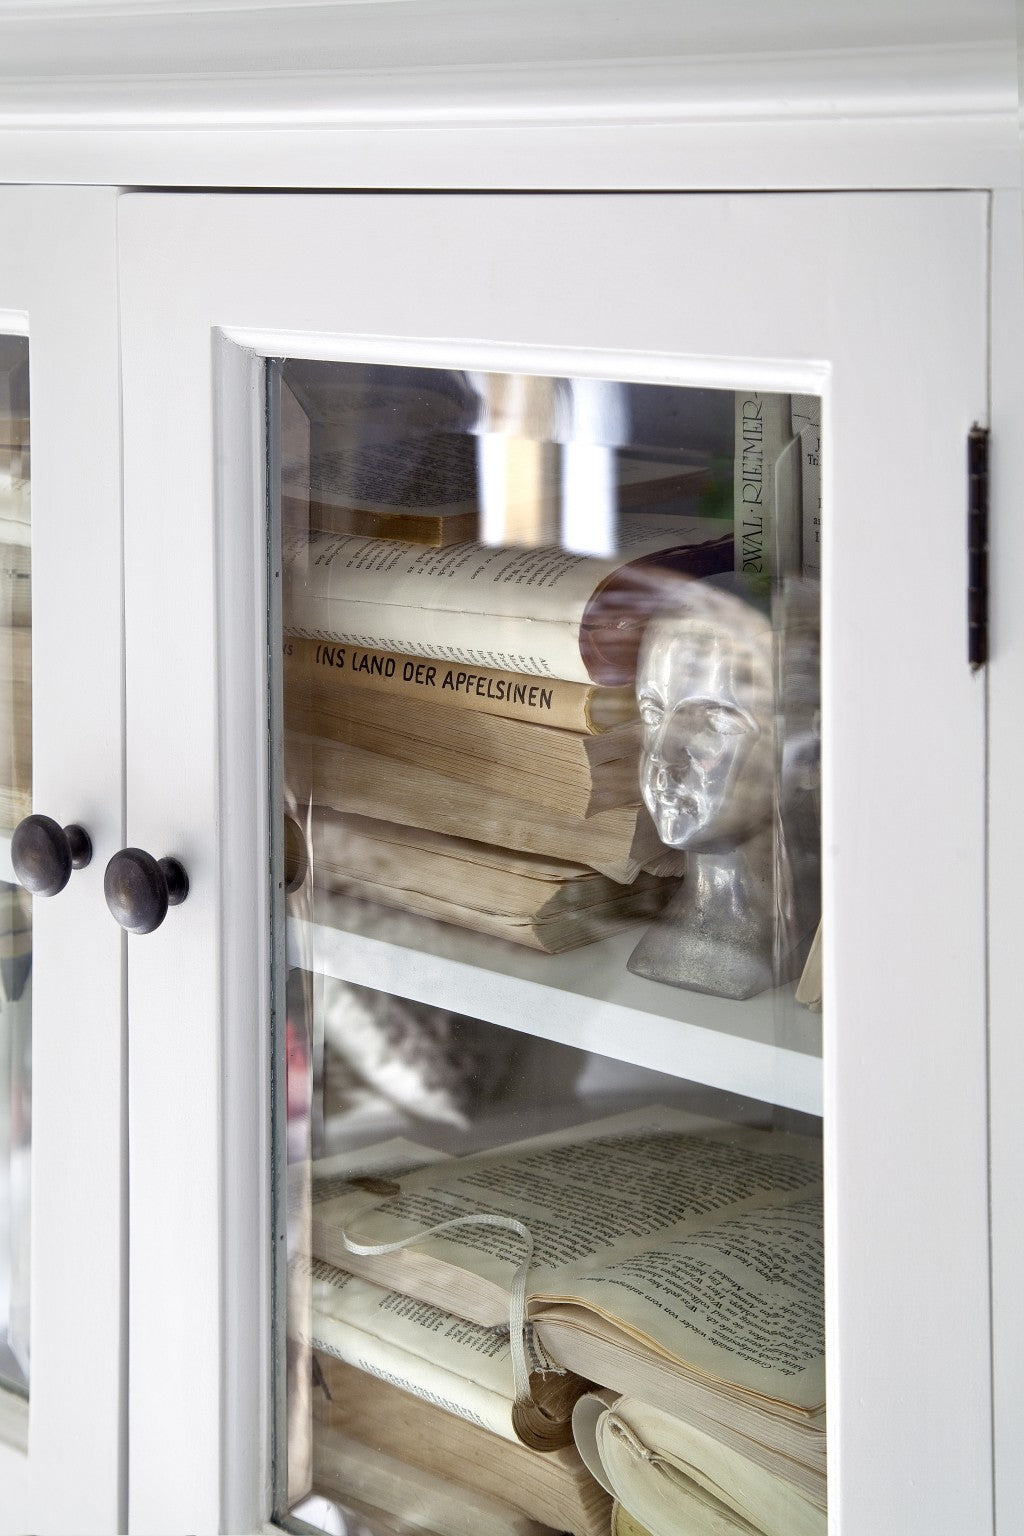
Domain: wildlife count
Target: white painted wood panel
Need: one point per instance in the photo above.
(58, 274)
(880, 303)
(411, 93)
(1006, 859)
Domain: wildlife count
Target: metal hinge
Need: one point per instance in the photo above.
(977, 547)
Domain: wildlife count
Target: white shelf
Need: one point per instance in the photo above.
(768, 1048)
(6, 867)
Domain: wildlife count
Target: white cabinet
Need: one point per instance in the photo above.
(654, 288)
(156, 1224)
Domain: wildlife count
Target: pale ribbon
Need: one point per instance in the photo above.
(517, 1298)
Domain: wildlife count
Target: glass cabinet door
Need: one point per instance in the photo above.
(16, 802)
(550, 801)
(547, 1078)
(61, 1008)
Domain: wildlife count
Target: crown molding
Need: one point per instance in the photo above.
(270, 63)
(898, 84)
(296, 92)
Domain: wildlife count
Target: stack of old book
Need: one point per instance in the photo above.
(527, 831)
(403, 1391)
(673, 1265)
(463, 719)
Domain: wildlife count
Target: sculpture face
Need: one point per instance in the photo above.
(704, 688)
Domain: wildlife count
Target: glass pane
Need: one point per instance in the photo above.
(548, 829)
(15, 906)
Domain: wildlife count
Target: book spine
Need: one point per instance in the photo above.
(580, 707)
(807, 425)
(762, 433)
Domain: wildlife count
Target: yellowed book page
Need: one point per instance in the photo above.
(572, 788)
(783, 1440)
(514, 609)
(664, 1471)
(458, 1366)
(340, 1215)
(618, 842)
(707, 1247)
(738, 1298)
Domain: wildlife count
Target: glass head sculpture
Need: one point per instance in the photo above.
(710, 777)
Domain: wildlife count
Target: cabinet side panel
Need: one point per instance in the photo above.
(1006, 856)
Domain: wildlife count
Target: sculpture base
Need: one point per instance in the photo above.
(717, 933)
(684, 956)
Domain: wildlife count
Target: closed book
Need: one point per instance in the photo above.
(766, 491)
(618, 843)
(410, 1498)
(553, 1487)
(563, 770)
(550, 701)
(806, 424)
(420, 490)
(542, 903)
(425, 489)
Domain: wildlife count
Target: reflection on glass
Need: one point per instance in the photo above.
(15, 907)
(550, 695)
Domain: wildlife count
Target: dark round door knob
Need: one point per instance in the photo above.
(44, 853)
(139, 889)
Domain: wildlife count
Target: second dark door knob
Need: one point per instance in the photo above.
(139, 889)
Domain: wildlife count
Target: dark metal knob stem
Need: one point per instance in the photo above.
(44, 853)
(139, 888)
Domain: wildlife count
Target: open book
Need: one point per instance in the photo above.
(680, 1265)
